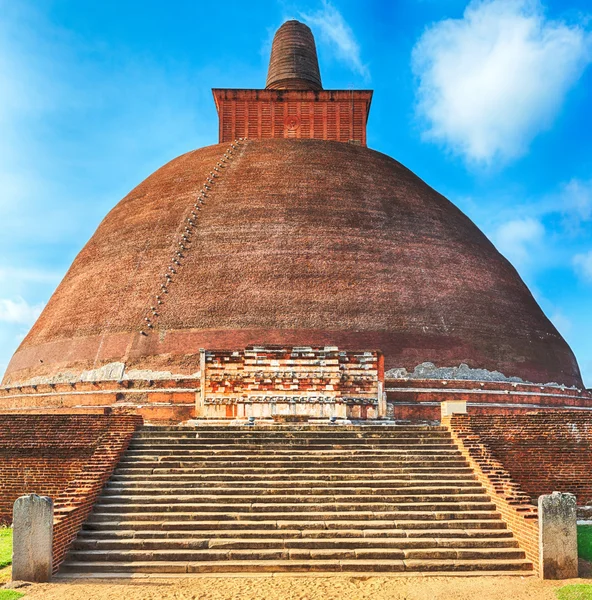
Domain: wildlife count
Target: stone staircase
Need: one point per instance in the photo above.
(294, 499)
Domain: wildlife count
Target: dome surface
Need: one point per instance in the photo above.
(301, 242)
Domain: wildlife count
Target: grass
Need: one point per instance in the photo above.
(578, 591)
(585, 542)
(10, 595)
(5, 547)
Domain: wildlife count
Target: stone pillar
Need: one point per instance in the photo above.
(200, 399)
(452, 407)
(382, 407)
(558, 538)
(32, 539)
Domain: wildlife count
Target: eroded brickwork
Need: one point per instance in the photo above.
(278, 376)
(511, 501)
(419, 399)
(174, 400)
(541, 451)
(66, 457)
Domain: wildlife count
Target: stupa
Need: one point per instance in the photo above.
(302, 268)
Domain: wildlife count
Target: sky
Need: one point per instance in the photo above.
(488, 101)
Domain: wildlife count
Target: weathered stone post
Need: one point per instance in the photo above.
(558, 540)
(32, 538)
(382, 405)
(200, 399)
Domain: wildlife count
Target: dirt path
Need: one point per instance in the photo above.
(302, 588)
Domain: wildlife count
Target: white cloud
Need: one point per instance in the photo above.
(583, 265)
(576, 204)
(19, 311)
(335, 31)
(489, 82)
(519, 239)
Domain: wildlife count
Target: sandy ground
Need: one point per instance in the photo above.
(301, 588)
(304, 587)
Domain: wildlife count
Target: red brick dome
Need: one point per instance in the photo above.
(301, 242)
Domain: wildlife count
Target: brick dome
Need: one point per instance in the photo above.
(302, 242)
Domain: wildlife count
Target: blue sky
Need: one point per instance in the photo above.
(489, 102)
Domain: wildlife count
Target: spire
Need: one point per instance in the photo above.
(293, 64)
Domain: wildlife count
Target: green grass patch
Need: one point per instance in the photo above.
(578, 591)
(585, 542)
(10, 595)
(5, 547)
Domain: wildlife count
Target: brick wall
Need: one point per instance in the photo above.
(543, 451)
(160, 400)
(510, 500)
(337, 115)
(419, 399)
(66, 457)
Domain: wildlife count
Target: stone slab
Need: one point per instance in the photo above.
(451, 407)
(32, 539)
(558, 543)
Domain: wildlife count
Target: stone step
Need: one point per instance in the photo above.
(243, 453)
(312, 506)
(353, 492)
(333, 470)
(83, 544)
(218, 499)
(302, 566)
(320, 457)
(265, 515)
(283, 450)
(367, 522)
(411, 534)
(293, 499)
(445, 467)
(279, 480)
(296, 553)
(332, 478)
(315, 445)
(376, 445)
(170, 461)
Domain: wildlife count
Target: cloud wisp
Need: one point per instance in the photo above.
(518, 240)
(19, 311)
(583, 265)
(576, 202)
(339, 36)
(490, 82)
